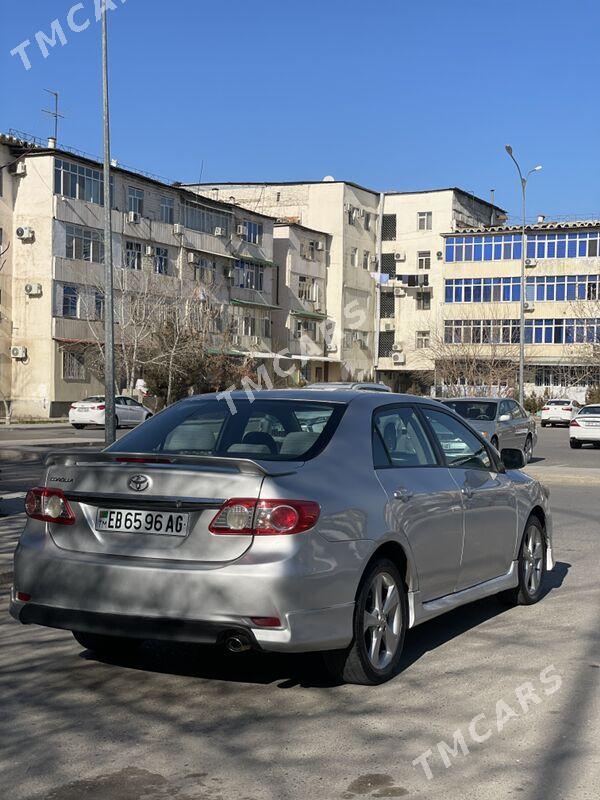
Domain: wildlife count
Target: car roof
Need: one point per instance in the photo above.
(315, 395)
(340, 385)
(475, 399)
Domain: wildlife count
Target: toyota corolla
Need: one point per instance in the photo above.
(241, 522)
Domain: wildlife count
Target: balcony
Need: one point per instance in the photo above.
(67, 329)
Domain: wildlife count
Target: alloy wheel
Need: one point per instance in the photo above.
(382, 620)
(528, 450)
(533, 557)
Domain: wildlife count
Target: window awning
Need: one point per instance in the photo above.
(253, 304)
(307, 314)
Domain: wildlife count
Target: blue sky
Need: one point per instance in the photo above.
(389, 93)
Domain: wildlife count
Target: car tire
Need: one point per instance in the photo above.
(543, 424)
(117, 423)
(494, 442)
(106, 645)
(78, 426)
(375, 652)
(596, 445)
(531, 566)
(575, 444)
(528, 449)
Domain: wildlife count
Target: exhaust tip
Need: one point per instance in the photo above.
(237, 644)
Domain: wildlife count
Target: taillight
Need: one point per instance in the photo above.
(73, 405)
(546, 408)
(574, 424)
(567, 408)
(100, 408)
(49, 505)
(248, 516)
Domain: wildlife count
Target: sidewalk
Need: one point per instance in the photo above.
(562, 474)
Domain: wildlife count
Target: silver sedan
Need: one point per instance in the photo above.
(289, 521)
(502, 421)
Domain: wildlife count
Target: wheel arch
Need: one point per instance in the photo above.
(398, 555)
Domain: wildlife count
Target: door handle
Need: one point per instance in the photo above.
(403, 494)
(466, 491)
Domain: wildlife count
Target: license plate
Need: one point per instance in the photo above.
(159, 523)
(591, 424)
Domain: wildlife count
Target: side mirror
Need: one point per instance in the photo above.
(513, 458)
(503, 417)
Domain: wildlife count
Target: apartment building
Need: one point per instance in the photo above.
(301, 326)
(166, 241)
(411, 292)
(348, 213)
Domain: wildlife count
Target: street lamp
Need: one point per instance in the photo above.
(523, 180)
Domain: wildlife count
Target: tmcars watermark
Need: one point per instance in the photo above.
(353, 315)
(78, 19)
(481, 728)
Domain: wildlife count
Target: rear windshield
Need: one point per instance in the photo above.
(94, 399)
(590, 410)
(271, 430)
(558, 402)
(482, 411)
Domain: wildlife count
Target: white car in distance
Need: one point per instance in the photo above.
(585, 427)
(91, 410)
(559, 412)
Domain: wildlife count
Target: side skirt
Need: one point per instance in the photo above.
(420, 612)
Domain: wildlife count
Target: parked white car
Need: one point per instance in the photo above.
(559, 412)
(90, 411)
(585, 427)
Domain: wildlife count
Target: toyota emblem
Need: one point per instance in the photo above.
(139, 483)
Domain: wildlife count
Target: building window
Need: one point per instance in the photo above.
(84, 244)
(387, 305)
(249, 275)
(78, 182)
(388, 264)
(254, 232)
(386, 342)
(205, 220)
(354, 256)
(135, 200)
(167, 209)
(133, 255)
(70, 301)
(161, 261)
(422, 340)
(366, 261)
(423, 301)
(312, 249)
(367, 221)
(424, 220)
(307, 288)
(503, 247)
(388, 228)
(266, 327)
(248, 326)
(205, 271)
(353, 337)
(482, 331)
(99, 305)
(424, 259)
(73, 366)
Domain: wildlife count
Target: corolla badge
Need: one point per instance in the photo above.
(139, 483)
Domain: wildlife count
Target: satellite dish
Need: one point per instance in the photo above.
(328, 179)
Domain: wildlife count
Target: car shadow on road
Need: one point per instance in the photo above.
(305, 670)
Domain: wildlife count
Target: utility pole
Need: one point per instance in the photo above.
(54, 113)
(523, 180)
(109, 330)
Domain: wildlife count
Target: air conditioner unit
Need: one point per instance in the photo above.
(399, 293)
(19, 352)
(191, 258)
(26, 234)
(399, 256)
(20, 169)
(33, 289)
(133, 217)
(149, 250)
(530, 263)
(374, 260)
(241, 230)
(178, 229)
(320, 246)
(388, 325)
(398, 358)
(528, 306)
(397, 347)
(219, 231)
(439, 255)
(331, 348)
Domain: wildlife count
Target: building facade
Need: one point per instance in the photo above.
(167, 242)
(301, 326)
(348, 213)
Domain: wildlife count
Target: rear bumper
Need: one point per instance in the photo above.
(160, 600)
(585, 434)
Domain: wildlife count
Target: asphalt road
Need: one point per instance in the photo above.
(190, 723)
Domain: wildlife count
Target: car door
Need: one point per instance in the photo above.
(424, 504)
(135, 410)
(505, 427)
(122, 412)
(521, 424)
(489, 500)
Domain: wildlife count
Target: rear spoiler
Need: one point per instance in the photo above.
(75, 457)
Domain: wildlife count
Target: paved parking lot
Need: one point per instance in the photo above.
(520, 686)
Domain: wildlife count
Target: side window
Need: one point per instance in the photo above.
(460, 446)
(399, 439)
(515, 410)
(504, 408)
(119, 401)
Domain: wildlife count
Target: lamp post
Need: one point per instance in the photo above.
(523, 180)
